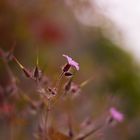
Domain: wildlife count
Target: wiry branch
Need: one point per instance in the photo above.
(84, 136)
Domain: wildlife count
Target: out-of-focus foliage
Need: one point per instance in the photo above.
(122, 74)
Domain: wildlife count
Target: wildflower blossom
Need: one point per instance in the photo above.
(71, 62)
(116, 115)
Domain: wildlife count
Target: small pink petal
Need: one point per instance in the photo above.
(72, 62)
(116, 114)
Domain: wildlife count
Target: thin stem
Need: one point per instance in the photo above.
(20, 65)
(42, 125)
(86, 82)
(46, 115)
(44, 122)
(89, 133)
(58, 93)
(37, 54)
(59, 79)
(69, 112)
(9, 71)
(11, 131)
(71, 134)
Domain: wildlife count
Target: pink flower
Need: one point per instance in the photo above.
(116, 115)
(71, 62)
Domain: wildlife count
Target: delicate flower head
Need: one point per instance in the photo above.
(116, 115)
(72, 62)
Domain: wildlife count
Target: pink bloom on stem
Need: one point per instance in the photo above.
(71, 62)
(116, 115)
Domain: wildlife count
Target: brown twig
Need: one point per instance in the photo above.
(82, 137)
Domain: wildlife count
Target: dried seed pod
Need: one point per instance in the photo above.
(27, 73)
(36, 73)
(52, 91)
(66, 67)
(68, 74)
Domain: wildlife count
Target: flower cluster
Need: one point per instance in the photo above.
(47, 96)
